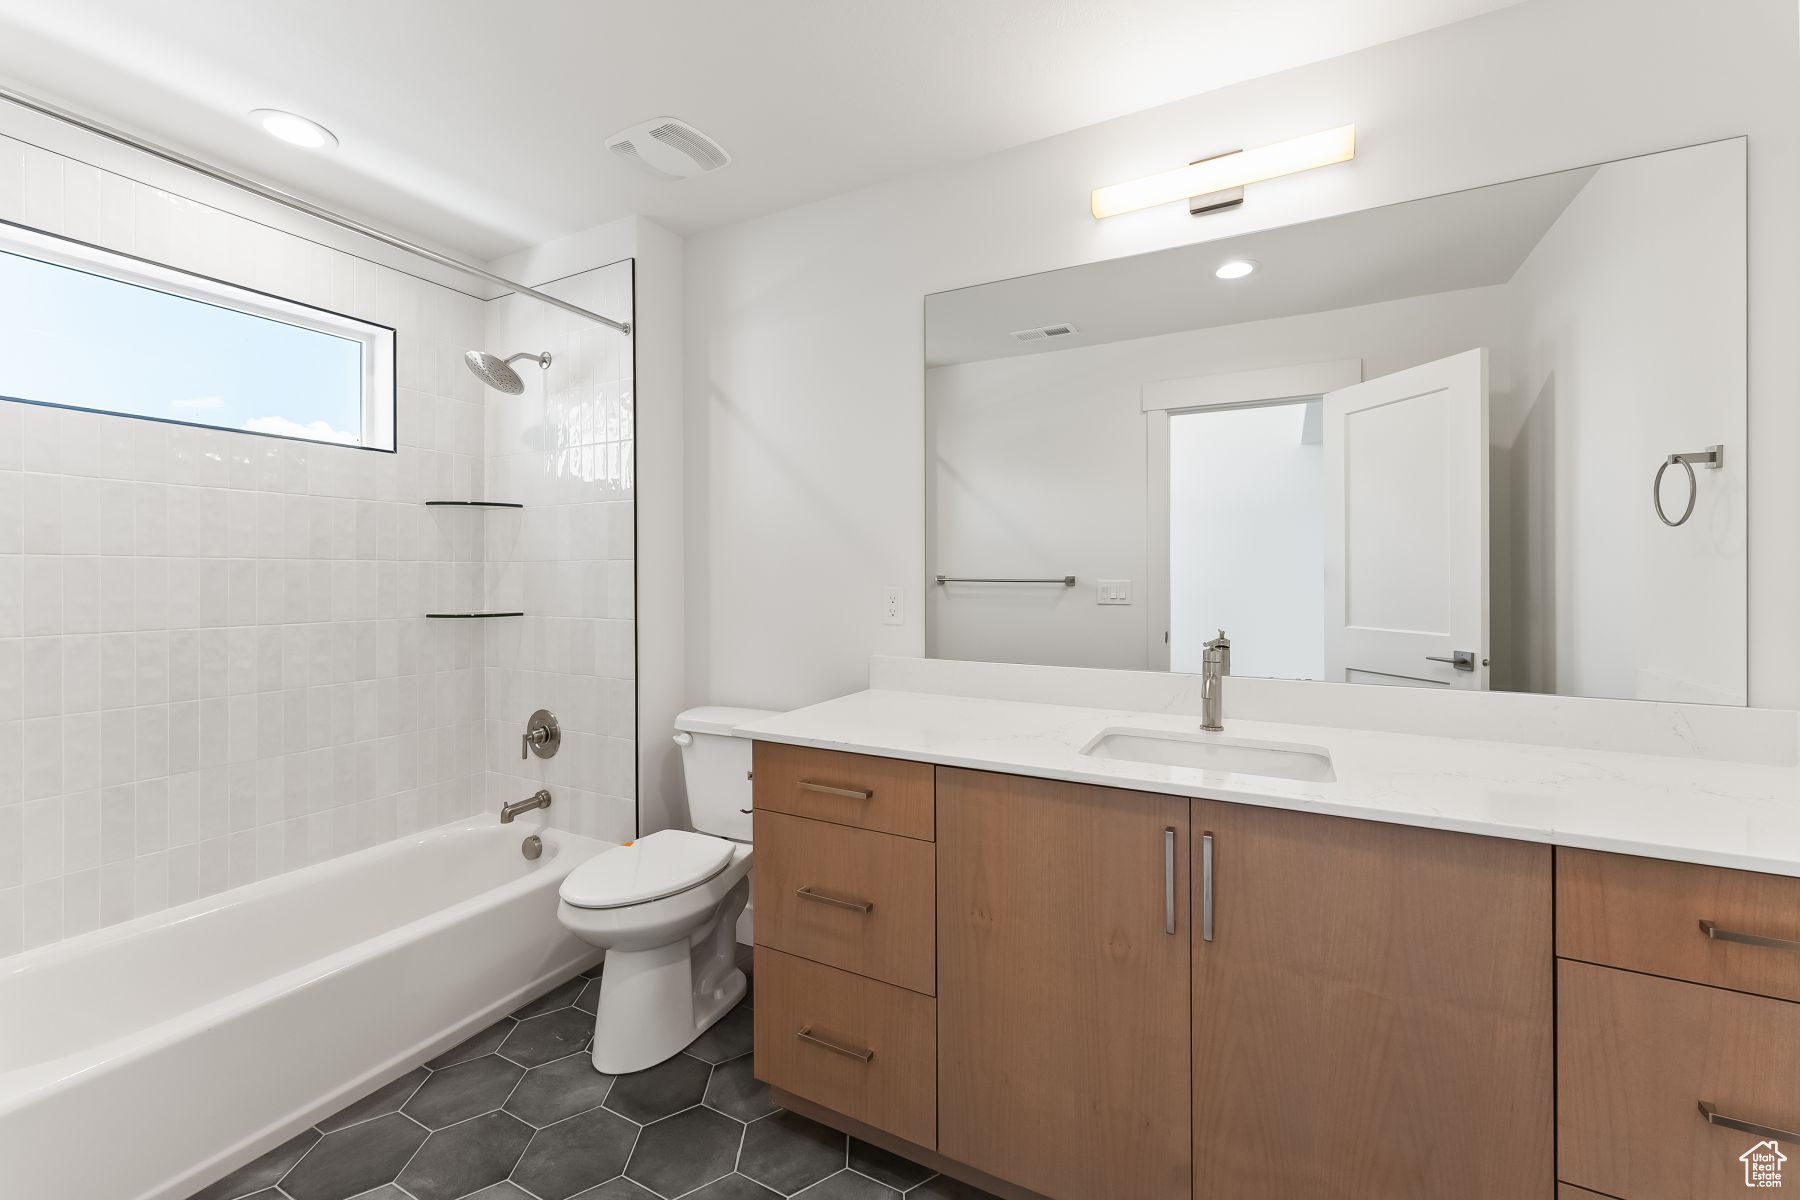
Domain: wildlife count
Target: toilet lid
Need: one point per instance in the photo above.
(656, 865)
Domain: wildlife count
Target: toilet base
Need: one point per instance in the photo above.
(654, 1002)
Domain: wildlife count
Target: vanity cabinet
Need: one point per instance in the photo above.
(1373, 1010)
(1677, 996)
(1063, 961)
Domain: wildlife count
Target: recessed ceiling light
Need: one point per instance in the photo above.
(294, 130)
(1237, 268)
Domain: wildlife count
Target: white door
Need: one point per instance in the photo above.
(1406, 527)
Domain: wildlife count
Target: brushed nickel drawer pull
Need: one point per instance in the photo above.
(807, 785)
(1168, 881)
(1715, 1117)
(807, 1035)
(1747, 939)
(806, 893)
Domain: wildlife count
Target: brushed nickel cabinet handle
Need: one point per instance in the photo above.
(807, 785)
(1168, 881)
(1747, 939)
(1206, 887)
(806, 1034)
(1715, 1117)
(806, 893)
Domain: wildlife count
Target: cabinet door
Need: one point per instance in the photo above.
(1373, 1015)
(1063, 959)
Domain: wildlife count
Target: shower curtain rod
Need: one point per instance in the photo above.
(289, 200)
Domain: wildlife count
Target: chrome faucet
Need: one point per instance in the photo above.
(1215, 665)
(539, 799)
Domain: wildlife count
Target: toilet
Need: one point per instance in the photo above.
(665, 907)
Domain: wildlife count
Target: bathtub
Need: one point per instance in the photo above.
(143, 1061)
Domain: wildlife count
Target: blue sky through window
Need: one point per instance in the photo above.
(88, 341)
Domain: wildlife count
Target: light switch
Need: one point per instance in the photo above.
(893, 606)
(1114, 591)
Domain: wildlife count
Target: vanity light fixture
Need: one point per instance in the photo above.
(293, 129)
(1237, 268)
(1225, 172)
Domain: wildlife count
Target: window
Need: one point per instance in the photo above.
(86, 328)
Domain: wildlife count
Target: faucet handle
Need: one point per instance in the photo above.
(1219, 643)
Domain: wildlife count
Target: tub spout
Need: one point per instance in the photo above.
(539, 799)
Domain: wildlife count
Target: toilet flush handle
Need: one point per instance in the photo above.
(684, 739)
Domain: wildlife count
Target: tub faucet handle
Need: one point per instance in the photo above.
(542, 736)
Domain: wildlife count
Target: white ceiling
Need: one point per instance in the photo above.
(480, 125)
(1466, 239)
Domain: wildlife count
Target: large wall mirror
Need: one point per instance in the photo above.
(1493, 439)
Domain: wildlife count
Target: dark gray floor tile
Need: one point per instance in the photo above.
(267, 1194)
(677, 1154)
(560, 1089)
(589, 999)
(485, 1042)
(736, 1091)
(594, 971)
(549, 1037)
(377, 1103)
(351, 1161)
(618, 1189)
(263, 1173)
(787, 1152)
(662, 1091)
(946, 1188)
(500, 1191)
(574, 1155)
(734, 1187)
(466, 1158)
(560, 996)
(387, 1191)
(886, 1167)
(730, 1038)
(848, 1185)
(463, 1091)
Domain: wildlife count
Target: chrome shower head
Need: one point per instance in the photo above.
(497, 372)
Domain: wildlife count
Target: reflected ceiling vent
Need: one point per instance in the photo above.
(665, 148)
(1045, 331)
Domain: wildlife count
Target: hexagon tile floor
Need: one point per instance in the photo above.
(518, 1112)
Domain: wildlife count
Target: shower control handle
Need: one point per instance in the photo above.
(542, 736)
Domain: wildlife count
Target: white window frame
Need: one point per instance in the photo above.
(377, 341)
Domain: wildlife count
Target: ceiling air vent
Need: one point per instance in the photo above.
(1045, 331)
(666, 148)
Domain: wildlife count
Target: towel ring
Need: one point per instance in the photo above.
(1712, 458)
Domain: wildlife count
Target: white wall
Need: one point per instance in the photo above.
(566, 450)
(805, 379)
(1629, 318)
(1037, 465)
(214, 660)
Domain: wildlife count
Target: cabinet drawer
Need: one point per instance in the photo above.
(857, 1046)
(849, 898)
(1644, 914)
(886, 794)
(1637, 1056)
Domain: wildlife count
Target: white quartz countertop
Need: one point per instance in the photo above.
(1717, 812)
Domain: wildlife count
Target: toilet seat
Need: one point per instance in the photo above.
(653, 867)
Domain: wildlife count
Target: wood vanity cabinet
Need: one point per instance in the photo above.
(1373, 1013)
(1063, 959)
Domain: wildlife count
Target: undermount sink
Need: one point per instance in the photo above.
(1211, 752)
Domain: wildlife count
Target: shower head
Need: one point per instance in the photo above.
(497, 372)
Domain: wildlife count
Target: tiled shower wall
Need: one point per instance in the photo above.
(214, 664)
(566, 450)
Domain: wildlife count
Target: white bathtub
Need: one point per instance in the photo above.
(147, 1059)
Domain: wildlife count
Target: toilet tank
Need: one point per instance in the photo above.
(716, 765)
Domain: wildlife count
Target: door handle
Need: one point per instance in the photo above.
(1168, 881)
(1206, 887)
(1462, 660)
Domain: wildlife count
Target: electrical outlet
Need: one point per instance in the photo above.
(1114, 591)
(893, 606)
